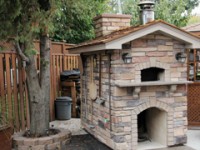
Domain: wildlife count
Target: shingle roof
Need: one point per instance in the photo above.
(123, 32)
(193, 27)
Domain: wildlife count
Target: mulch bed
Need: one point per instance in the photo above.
(85, 142)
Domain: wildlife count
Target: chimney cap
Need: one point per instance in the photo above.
(145, 2)
(125, 16)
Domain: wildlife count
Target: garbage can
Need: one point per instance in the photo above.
(63, 108)
(70, 75)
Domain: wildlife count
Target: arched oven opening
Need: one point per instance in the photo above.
(152, 74)
(152, 126)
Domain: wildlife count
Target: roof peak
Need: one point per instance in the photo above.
(121, 33)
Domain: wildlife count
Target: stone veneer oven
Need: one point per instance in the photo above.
(123, 104)
(142, 100)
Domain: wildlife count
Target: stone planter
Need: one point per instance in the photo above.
(53, 142)
(5, 137)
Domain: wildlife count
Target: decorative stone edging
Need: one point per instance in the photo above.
(53, 142)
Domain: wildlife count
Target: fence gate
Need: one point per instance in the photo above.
(194, 104)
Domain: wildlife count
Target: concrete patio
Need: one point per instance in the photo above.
(81, 140)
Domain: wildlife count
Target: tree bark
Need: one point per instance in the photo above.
(45, 73)
(39, 90)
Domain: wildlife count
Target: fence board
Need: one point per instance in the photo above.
(2, 90)
(57, 75)
(60, 59)
(21, 93)
(68, 62)
(65, 63)
(51, 90)
(54, 73)
(9, 90)
(74, 61)
(15, 95)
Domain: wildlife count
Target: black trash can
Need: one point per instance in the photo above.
(70, 75)
(63, 108)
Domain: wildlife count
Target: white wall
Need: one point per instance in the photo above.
(156, 121)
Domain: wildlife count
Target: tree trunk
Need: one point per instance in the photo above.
(39, 90)
(45, 73)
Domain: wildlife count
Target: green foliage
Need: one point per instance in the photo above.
(193, 20)
(24, 21)
(30, 52)
(128, 7)
(175, 12)
(74, 21)
(1, 48)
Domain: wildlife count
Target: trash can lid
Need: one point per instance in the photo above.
(64, 98)
(70, 72)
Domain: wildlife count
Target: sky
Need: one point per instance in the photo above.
(196, 11)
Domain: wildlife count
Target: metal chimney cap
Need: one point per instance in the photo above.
(145, 2)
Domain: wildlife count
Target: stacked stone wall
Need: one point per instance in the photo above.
(95, 113)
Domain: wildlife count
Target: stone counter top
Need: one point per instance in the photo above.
(149, 83)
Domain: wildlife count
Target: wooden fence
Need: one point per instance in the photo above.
(13, 90)
(59, 63)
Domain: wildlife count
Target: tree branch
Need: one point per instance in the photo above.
(21, 54)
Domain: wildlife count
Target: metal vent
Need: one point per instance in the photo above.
(146, 11)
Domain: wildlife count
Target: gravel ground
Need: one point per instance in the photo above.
(85, 142)
(80, 139)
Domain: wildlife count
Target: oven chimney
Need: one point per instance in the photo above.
(107, 23)
(146, 11)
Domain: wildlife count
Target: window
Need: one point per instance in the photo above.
(194, 65)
